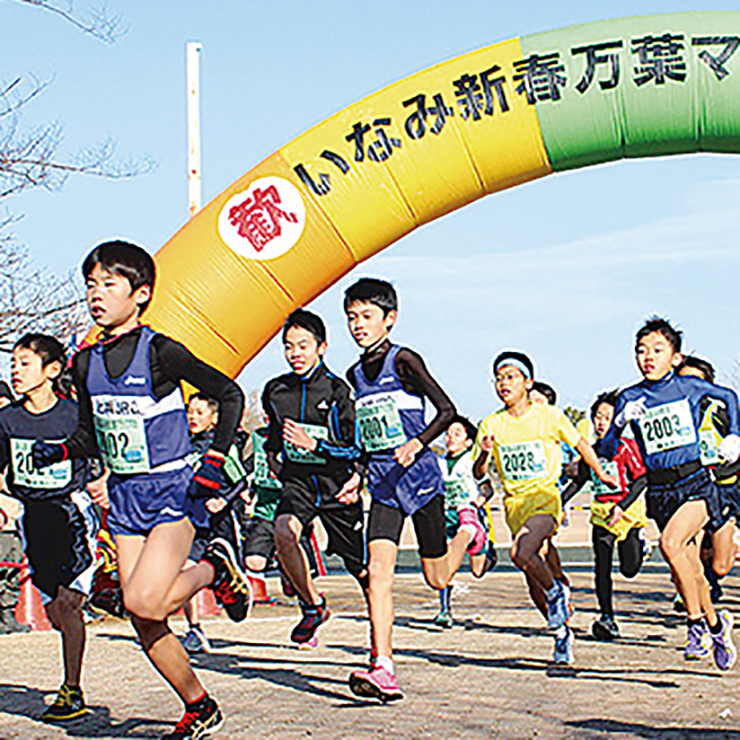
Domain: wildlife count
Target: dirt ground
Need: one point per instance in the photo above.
(489, 676)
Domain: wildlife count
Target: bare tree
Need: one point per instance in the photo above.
(32, 298)
(97, 22)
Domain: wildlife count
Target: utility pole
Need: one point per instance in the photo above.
(193, 81)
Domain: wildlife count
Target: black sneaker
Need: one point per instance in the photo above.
(605, 628)
(198, 723)
(69, 704)
(314, 615)
(230, 586)
(491, 558)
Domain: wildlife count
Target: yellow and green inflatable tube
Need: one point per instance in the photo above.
(431, 143)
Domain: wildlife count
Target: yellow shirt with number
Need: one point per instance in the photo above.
(529, 459)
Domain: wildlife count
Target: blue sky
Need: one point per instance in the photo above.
(565, 268)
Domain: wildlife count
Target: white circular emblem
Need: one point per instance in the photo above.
(264, 221)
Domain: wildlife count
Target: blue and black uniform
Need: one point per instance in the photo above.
(59, 524)
(391, 384)
(321, 403)
(669, 440)
(132, 410)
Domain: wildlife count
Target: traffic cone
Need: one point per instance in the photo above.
(206, 603)
(259, 588)
(29, 609)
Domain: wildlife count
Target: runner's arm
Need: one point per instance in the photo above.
(577, 483)
(342, 421)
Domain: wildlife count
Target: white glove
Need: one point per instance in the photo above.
(729, 448)
(632, 411)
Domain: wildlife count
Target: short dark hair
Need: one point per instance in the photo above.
(608, 397)
(703, 366)
(517, 359)
(125, 259)
(306, 320)
(372, 290)
(49, 349)
(661, 326)
(470, 429)
(546, 390)
(201, 396)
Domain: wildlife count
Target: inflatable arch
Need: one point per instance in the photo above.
(431, 143)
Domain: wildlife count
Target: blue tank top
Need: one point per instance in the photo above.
(136, 432)
(388, 416)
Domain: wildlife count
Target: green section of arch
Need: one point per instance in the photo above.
(605, 122)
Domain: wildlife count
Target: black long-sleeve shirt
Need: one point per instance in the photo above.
(171, 364)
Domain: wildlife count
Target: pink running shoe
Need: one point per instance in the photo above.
(311, 644)
(470, 515)
(375, 684)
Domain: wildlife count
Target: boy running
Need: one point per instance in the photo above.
(58, 524)
(311, 448)
(132, 411)
(461, 491)
(403, 476)
(525, 439)
(664, 412)
(618, 516)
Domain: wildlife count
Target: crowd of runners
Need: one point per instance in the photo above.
(110, 433)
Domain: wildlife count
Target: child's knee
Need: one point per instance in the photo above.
(144, 605)
(670, 546)
(284, 534)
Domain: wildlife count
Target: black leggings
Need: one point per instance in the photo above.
(630, 561)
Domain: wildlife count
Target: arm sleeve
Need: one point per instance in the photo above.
(636, 487)
(413, 373)
(610, 443)
(577, 483)
(179, 364)
(729, 397)
(342, 420)
(83, 442)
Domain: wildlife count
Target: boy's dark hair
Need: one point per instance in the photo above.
(656, 324)
(546, 390)
(124, 259)
(372, 290)
(607, 397)
(470, 429)
(48, 348)
(306, 320)
(201, 396)
(703, 366)
(516, 359)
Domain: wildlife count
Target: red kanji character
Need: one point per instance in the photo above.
(258, 217)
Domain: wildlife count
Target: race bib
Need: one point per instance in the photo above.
(708, 447)
(457, 493)
(598, 487)
(49, 478)
(301, 455)
(667, 427)
(523, 461)
(122, 444)
(379, 422)
(263, 478)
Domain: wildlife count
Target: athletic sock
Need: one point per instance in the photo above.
(198, 704)
(554, 591)
(717, 627)
(694, 622)
(444, 598)
(383, 661)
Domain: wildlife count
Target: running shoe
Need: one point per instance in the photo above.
(69, 704)
(375, 684)
(312, 644)
(724, 650)
(491, 557)
(678, 605)
(444, 619)
(471, 515)
(698, 642)
(559, 607)
(562, 654)
(314, 615)
(197, 724)
(230, 586)
(195, 641)
(605, 628)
